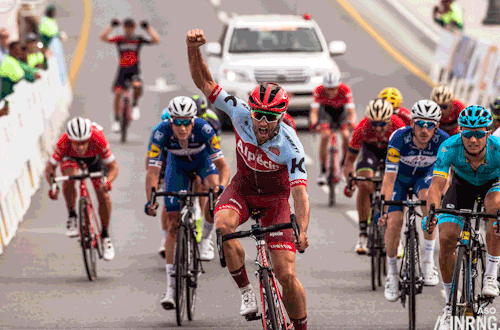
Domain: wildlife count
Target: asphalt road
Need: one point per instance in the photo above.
(42, 280)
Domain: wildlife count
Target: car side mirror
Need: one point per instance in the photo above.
(214, 49)
(337, 48)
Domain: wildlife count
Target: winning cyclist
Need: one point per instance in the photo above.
(371, 136)
(332, 109)
(450, 108)
(270, 164)
(192, 146)
(475, 157)
(129, 46)
(410, 158)
(85, 141)
(394, 96)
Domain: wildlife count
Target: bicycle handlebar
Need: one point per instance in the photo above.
(54, 180)
(183, 194)
(351, 178)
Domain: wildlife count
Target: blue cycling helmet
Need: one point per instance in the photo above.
(475, 116)
(165, 114)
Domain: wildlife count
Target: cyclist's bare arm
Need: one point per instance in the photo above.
(301, 206)
(104, 36)
(313, 114)
(112, 171)
(49, 169)
(197, 66)
(349, 164)
(224, 171)
(351, 113)
(388, 185)
(155, 38)
(152, 176)
(435, 192)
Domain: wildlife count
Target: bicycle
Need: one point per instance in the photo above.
(468, 274)
(89, 222)
(125, 112)
(188, 266)
(274, 315)
(376, 233)
(411, 280)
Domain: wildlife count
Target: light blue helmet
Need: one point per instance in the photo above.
(165, 114)
(475, 116)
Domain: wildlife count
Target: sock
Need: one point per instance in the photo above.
(72, 214)
(492, 266)
(429, 250)
(362, 227)
(300, 324)
(447, 291)
(104, 233)
(392, 265)
(240, 277)
(323, 169)
(207, 229)
(170, 280)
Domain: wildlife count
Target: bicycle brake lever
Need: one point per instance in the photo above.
(296, 229)
(349, 182)
(53, 186)
(153, 196)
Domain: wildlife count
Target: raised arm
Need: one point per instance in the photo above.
(155, 38)
(104, 36)
(197, 66)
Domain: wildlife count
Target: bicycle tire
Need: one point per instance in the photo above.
(195, 270)
(97, 227)
(180, 274)
(280, 307)
(460, 283)
(270, 310)
(372, 245)
(124, 120)
(380, 258)
(88, 249)
(331, 179)
(478, 268)
(412, 292)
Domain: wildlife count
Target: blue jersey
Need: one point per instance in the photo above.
(452, 153)
(408, 161)
(201, 144)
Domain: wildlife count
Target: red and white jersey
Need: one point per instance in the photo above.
(98, 146)
(404, 114)
(365, 133)
(449, 123)
(343, 98)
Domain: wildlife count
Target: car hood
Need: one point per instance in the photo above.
(279, 60)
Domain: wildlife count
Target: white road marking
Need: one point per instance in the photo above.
(353, 215)
(308, 160)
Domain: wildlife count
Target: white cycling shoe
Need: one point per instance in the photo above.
(167, 301)
(72, 227)
(445, 320)
(430, 274)
(136, 113)
(108, 249)
(362, 245)
(391, 292)
(206, 249)
(115, 127)
(490, 286)
(322, 179)
(248, 301)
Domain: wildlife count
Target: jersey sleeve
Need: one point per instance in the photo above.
(211, 140)
(231, 105)
(349, 102)
(62, 147)
(104, 150)
(394, 151)
(294, 157)
(357, 137)
(443, 164)
(115, 39)
(317, 95)
(156, 146)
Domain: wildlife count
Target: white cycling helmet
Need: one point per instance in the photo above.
(442, 94)
(79, 129)
(331, 79)
(379, 110)
(426, 109)
(182, 106)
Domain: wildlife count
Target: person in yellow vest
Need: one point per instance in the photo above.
(48, 28)
(35, 58)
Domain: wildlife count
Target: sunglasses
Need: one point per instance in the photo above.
(269, 116)
(424, 123)
(443, 106)
(378, 123)
(185, 122)
(477, 134)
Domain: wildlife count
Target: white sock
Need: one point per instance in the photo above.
(447, 291)
(170, 270)
(392, 265)
(429, 250)
(492, 266)
(248, 287)
(207, 229)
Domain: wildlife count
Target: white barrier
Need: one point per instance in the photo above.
(37, 111)
(470, 66)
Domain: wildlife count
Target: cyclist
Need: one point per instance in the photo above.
(287, 119)
(85, 141)
(394, 96)
(192, 147)
(331, 110)
(371, 136)
(475, 157)
(495, 113)
(410, 158)
(270, 162)
(129, 46)
(450, 108)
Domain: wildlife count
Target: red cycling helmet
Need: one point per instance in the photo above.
(270, 97)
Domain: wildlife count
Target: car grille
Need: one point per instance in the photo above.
(288, 76)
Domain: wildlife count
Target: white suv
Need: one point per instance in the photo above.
(285, 49)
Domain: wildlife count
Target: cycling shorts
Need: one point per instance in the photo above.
(371, 158)
(461, 195)
(94, 164)
(332, 118)
(274, 209)
(125, 76)
(400, 189)
(176, 176)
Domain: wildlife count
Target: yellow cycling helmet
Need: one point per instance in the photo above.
(392, 95)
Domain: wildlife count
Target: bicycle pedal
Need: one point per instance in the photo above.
(253, 317)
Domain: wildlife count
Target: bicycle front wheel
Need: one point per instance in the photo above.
(331, 178)
(194, 272)
(412, 292)
(124, 119)
(478, 268)
(270, 312)
(372, 248)
(460, 285)
(181, 265)
(89, 250)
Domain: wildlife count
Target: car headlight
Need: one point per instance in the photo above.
(235, 75)
(317, 78)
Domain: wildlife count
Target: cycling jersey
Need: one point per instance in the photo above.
(449, 123)
(98, 146)
(365, 133)
(287, 119)
(129, 49)
(343, 98)
(497, 132)
(404, 114)
(452, 153)
(271, 168)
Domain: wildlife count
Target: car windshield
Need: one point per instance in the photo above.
(265, 40)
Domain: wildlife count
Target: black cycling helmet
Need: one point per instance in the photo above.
(129, 22)
(495, 107)
(201, 104)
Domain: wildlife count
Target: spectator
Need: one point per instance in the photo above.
(48, 27)
(11, 69)
(28, 20)
(30, 73)
(4, 43)
(449, 15)
(35, 58)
